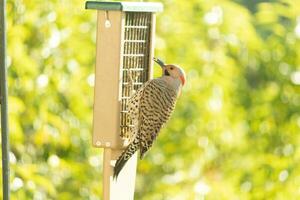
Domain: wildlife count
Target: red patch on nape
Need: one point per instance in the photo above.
(182, 79)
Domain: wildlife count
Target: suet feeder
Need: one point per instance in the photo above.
(125, 46)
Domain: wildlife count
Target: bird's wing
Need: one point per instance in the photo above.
(156, 105)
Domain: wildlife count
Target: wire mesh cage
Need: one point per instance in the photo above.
(125, 37)
(135, 67)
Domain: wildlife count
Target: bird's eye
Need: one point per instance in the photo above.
(171, 68)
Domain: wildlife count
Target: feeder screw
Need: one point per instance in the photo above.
(98, 143)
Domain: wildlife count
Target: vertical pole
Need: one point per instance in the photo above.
(3, 100)
(123, 186)
(107, 171)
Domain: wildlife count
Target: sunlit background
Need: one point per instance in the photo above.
(234, 134)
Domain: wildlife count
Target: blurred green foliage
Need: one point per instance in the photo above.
(235, 131)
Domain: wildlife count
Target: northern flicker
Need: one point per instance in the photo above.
(149, 109)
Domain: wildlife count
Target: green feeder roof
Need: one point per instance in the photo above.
(125, 6)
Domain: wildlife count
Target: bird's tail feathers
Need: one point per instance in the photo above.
(125, 156)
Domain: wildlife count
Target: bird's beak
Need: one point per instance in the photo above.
(160, 62)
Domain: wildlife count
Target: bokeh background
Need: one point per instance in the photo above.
(235, 131)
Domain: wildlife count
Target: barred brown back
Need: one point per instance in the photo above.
(156, 107)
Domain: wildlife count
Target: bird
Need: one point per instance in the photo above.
(149, 108)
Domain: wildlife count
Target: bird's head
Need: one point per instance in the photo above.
(171, 70)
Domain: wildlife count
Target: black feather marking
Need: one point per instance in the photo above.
(166, 73)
